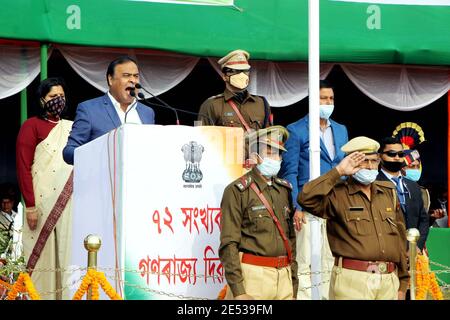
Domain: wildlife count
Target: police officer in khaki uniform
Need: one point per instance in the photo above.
(365, 225)
(235, 107)
(257, 240)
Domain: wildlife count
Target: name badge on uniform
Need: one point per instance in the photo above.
(389, 209)
(228, 114)
(258, 208)
(356, 209)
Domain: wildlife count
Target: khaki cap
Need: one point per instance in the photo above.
(237, 59)
(361, 144)
(274, 136)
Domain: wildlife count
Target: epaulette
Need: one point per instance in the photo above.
(283, 182)
(216, 96)
(244, 182)
(386, 184)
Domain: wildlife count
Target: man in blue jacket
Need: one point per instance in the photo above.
(98, 116)
(295, 169)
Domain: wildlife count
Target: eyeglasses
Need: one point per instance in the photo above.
(392, 154)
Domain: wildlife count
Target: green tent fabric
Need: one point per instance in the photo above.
(437, 244)
(269, 29)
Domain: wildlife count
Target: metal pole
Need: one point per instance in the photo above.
(412, 235)
(92, 243)
(23, 93)
(314, 138)
(44, 59)
(23, 106)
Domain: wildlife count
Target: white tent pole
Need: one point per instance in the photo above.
(314, 138)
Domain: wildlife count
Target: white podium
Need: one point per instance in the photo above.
(152, 193)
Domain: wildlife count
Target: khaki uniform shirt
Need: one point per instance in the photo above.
(359, 228)
(218, 112)
(248, 227)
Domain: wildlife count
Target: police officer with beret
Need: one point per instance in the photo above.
(365, 226)
(236, 107)
(257, 240)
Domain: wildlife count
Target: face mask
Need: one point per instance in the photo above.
(269, 167)
(393, 166)
(326, 110)
(413, 174)
(366, 176)
(55, 106)
(239, 80)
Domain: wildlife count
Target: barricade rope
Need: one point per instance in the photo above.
(428, 279)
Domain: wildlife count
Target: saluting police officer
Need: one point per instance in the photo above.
(257, 240)
(236, 107)
(365, 226)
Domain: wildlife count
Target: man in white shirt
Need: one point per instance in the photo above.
(7, 215)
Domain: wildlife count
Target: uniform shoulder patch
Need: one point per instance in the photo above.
(284, 183)
(216, 96)
(243, 183)
(385, 184)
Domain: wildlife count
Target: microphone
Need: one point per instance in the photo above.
(133, 94)
(165, 105)
(141, 95)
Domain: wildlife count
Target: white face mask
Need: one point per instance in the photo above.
(366, 176)
(326, 110)
(269, 167)
(239, 80)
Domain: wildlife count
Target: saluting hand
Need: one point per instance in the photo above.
(350, 164)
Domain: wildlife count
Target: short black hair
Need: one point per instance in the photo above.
(115, 62)
(46, 85)
(388, 140)
(324, 84)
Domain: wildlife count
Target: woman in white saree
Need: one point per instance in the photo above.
(45, 181)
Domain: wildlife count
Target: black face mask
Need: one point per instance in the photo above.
(393, 166)
(55, 106)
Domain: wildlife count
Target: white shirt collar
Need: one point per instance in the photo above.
(116, 104)
(132, 115)
(390, 176)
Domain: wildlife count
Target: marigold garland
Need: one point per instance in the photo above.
(222, 293)
(426, 280)
(93, 279)
(106, 286)
(23, 285)
(5, 285)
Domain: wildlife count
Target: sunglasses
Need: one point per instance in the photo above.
(392, 154)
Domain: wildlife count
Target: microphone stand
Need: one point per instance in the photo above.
(166, 105)
(133, 94)
(141, 95)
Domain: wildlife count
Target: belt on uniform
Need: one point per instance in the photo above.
(367, 266)
(272, 262)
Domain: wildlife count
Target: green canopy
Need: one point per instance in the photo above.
(268, 29)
